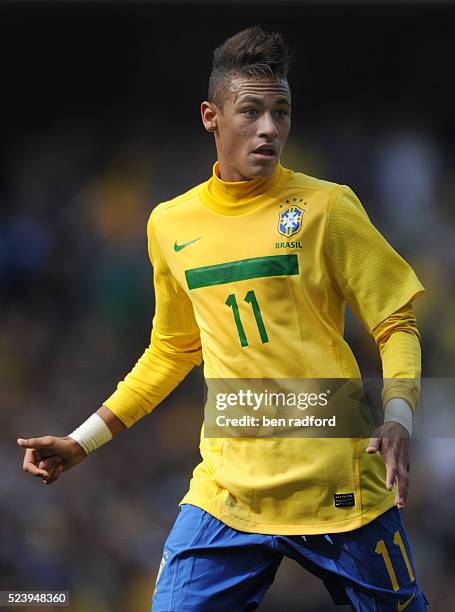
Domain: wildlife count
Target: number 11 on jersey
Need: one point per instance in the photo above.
(250, 298)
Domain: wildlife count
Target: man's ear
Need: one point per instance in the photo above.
(209, 116)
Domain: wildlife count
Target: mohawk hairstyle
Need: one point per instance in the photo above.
(251, 52)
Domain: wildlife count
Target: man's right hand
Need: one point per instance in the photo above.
(49, 456)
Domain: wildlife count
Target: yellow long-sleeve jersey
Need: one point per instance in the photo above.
(252, 277)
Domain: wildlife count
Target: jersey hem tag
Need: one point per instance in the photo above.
(342, 500)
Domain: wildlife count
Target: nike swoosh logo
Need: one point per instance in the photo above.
(179, 247)
(402, 606)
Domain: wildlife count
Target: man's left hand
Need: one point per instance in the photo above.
(393, 444)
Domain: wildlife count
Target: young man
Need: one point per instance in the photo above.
(251, 267)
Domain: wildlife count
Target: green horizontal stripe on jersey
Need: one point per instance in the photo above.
(243, 269)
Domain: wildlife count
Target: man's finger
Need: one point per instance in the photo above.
(373, 445)
(55, 475)
(51, 466)
(31, 468)
(44, 442)
(402, 488)
(30, 464)
(50, 463)
(391, 475)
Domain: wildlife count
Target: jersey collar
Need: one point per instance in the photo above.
(239, 197)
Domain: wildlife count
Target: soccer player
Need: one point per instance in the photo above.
(252, 272)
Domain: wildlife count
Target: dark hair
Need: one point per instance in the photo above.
(251, 52)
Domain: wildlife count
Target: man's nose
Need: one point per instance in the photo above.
(267, 126)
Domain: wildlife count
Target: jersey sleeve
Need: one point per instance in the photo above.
(398, 340)
(371, 276)
(175, 346)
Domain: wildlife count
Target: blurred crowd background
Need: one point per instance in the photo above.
(99, 123)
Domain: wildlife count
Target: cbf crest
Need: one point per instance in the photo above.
(290, 221)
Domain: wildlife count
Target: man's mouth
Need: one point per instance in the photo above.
(266, 150)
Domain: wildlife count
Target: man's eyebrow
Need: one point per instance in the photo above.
(249, 99)
(260, 101)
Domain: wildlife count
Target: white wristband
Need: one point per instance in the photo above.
(92, 434)
(399, 410)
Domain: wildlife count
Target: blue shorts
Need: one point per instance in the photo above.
(209, 566)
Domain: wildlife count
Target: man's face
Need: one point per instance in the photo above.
(252, 127)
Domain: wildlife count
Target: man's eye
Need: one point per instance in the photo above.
(251, 112)
(282, 113)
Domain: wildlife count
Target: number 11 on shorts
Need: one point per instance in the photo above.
(381, 549)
